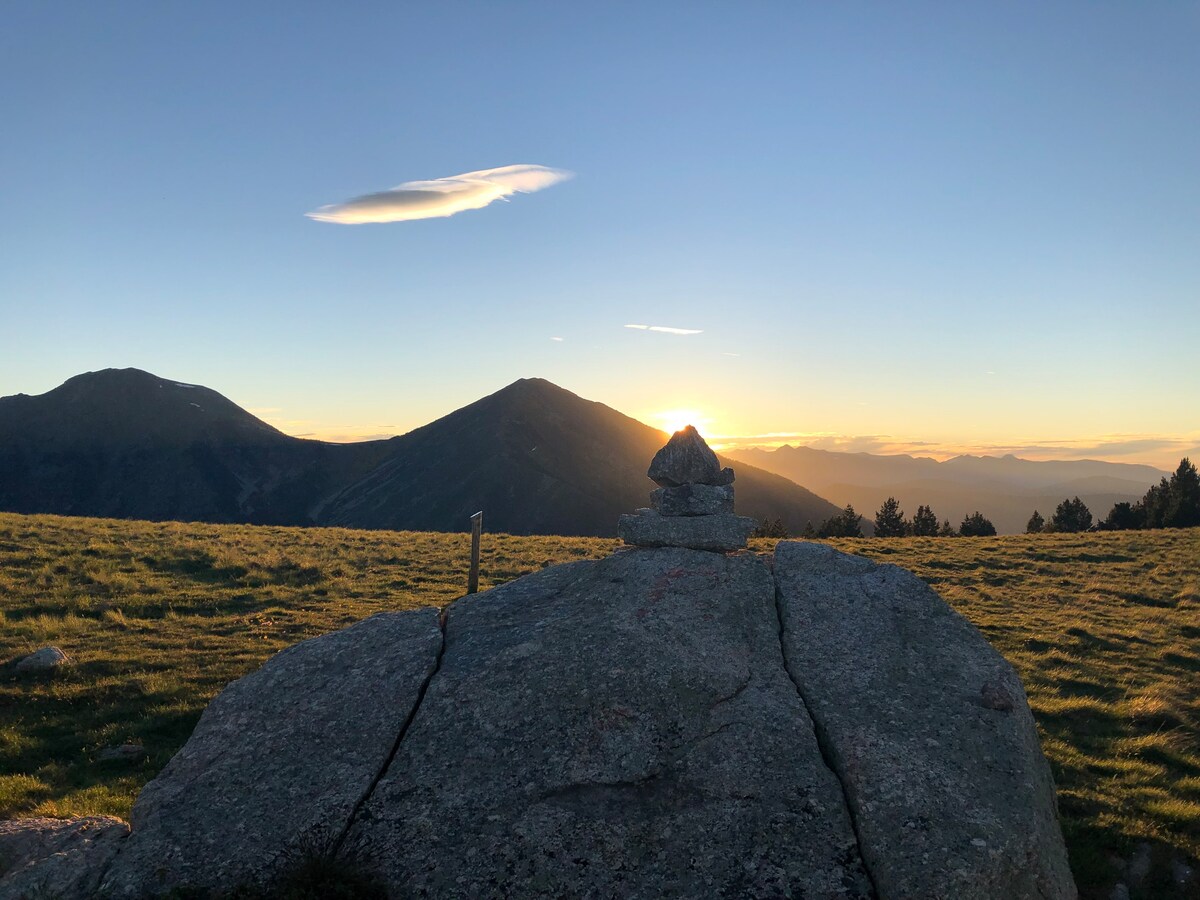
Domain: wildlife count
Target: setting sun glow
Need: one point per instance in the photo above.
(673, 420)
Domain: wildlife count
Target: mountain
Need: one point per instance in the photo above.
(1006, 489)
(536, 458)
(539, 460)
(127, 444)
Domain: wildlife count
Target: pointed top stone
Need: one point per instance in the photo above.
(687, 459)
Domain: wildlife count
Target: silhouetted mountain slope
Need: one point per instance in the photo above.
(1005, 489)
(120, 408)
(128, 444)
(538, 460)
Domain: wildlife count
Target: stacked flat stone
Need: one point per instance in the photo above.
(693, 507)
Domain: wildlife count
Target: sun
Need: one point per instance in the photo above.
(672, 420)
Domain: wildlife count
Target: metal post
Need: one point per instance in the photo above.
(476, 529)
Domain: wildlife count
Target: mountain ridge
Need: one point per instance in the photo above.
(126, 443)
(1006, 489)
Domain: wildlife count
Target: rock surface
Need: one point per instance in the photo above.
(280, 759)
(125, 753)
(687, 459)
(663, 722)
(621, 728)
(717, 533)
(693, 500)
(56, 857)
(42, 660)
(927, 726)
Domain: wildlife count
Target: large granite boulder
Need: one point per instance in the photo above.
(663, 722)
(622, 728)
(280, 760)
(928, 728)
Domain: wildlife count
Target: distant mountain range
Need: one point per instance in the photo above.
(1005, 489)
(536, 458)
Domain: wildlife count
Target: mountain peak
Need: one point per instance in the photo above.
(129, 407)
(128, 373)
(533, 387)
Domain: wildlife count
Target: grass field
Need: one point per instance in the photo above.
(1103, 628)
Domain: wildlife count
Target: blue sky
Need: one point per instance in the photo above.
(960, 225)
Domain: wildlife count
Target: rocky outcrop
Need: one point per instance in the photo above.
(927, 727)
(280, 760)
(663, 722)
(41, 661)
(623, 728)
(55, 858)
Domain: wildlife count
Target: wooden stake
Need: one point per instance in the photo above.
(476, 530)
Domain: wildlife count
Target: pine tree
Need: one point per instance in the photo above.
(1123, 517)
(847, 523)
(1071, 516)
(975, 525)
(924, 522)
(771, 528)
(809, 532)
(889, 521)
(1183, 497)
(1154, 505)
(947, 530)
(1036, 523)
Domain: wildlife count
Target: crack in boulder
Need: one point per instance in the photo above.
(339, 842)
(823, 743)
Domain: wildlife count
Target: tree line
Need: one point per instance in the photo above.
(1172, 503)
(889, 522)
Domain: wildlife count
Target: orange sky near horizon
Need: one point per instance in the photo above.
(1161, 450)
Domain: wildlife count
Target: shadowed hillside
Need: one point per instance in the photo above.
(128, 444)
(538, 459)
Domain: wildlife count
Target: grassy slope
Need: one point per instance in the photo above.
(1104, 629)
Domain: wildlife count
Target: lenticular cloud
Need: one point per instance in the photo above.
(442, 196)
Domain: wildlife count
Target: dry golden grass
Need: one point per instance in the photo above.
(158, 617)
(1103, 628)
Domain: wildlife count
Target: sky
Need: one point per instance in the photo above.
(922, 227)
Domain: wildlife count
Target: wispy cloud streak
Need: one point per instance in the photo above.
(666, 329)
(441, 197)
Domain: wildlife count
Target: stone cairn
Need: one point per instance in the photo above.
(693, 507)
